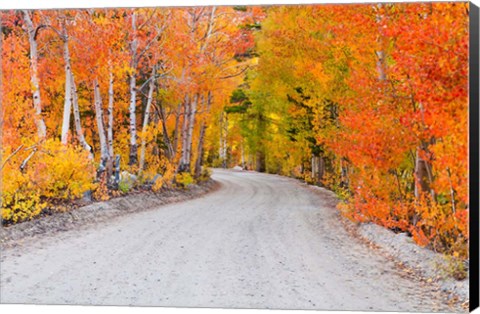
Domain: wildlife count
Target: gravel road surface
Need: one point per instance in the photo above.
(260, 241)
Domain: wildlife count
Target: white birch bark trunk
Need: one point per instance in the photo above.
(110, 116)
(223, 139)
(191, 125)
(199, 161)
(186, 117)
(76, 117)
(133, 120)
(37, 103)
(133, 93)
(99, 117)
(151, 86)
(380, 53)
(175, 132)
(225, 142)
(209, 29)
(67, 107)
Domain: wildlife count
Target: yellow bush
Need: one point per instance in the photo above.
(184, 179)
(64, 172)
(21, 205)
(168, 170)
(153, 166)
(158, 184)
(205, 174)
(53, 172)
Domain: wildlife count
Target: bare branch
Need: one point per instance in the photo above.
(234, 75)
(24, 163)
(11, 155)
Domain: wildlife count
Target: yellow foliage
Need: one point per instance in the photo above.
(21, 205)
(158, 185)
(167, 178)
(184, 179)
(53, 172)
(154, 165)
(64, 172)
(205, 175)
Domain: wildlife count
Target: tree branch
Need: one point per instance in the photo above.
(11, 155)
(233, 75)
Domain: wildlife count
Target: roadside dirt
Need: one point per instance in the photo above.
(98, 212)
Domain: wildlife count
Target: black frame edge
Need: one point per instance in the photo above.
(474, 154)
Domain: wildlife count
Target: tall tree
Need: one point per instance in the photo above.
(37, 101)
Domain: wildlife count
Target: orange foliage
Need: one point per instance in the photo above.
(385, 86)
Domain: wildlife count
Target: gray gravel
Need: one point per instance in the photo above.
(424, 262)
(260, 241)
(428, 264)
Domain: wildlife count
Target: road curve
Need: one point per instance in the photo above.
(260, 241)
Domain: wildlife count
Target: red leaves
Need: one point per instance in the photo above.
(419, 236)
(422, 100)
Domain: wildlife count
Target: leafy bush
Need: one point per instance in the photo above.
(205, 174)
(21, 205)
(184, 179)
(51, 172)
(158, 184)
(62, 172)
(168, 170)
(124, 186)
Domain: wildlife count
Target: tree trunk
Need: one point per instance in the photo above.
(76, 117)
(321, 170)
(110, 127)
(169, 152)
(151, 87)
(423, 169)
(382, 76)
(133, 93)
(223, 139)
(199, 160)
(318, 169)
(186, 118)
(423, 174)
(191, 125)
(37, 103)
(101, 130)
(133, 122)
(260, 167)
(201, 140)
(67, 107)
(175, 132)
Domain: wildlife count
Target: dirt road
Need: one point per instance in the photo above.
(260, 241)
